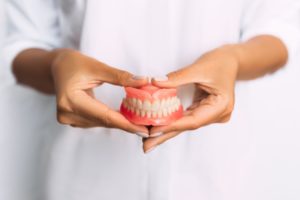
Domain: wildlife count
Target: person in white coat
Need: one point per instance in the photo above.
(70, 47)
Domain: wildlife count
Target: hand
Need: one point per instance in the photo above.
(214, 76)
(75, 76)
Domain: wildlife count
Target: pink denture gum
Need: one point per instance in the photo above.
(150, 105)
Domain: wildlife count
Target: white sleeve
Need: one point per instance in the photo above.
(280, 18)
(29, 24)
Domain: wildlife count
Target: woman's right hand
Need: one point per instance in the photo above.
(75, 75)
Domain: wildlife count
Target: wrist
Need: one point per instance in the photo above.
(232, 52)
(57, 58)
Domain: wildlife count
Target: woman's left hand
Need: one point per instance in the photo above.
(214, 76)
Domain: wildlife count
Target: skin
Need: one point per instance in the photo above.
(72, 77)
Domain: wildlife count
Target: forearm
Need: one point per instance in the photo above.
(259, 56)
(32, 67)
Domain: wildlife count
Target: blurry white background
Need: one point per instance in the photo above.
(275, 100)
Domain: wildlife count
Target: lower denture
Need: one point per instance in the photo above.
(150, 105)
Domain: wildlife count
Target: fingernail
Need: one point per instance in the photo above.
(150, 149)
(144, 135)
(136, 77)
(156, 134)
(162, 78)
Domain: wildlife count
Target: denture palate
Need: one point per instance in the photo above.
(156, 108)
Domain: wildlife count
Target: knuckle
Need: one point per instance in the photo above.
(175, 75)
(227, 105)
(193, 125)
(225, 119)
(63, 105)
(106, 119)
(122, 77)
(62, 118)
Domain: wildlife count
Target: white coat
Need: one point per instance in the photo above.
(153, 38)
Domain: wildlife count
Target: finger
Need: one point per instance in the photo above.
(182, 124)
(151, 143)
(207, 112)
(121, 77)
(97, 111)
(73, 120)
(174, 79)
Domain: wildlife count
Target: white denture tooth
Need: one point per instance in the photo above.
(177, 107)
(124, 103)
(173, 108)
(173, 100)
(163, 104)
(177, 102)
(159, 113)
(170, 110)
(134, 102)
(154, 114)
(132, 109)
(137, 112)
(147, 105)
(170, 101)
(165, 112)
(139, 104)
(148, 114)
(167, 102)
(128, 101)
(143, 113)
(155, 105)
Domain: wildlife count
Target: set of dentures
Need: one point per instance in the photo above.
(155, 109)
(150, 105)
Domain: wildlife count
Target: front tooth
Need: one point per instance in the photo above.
(155, 105)
(154, 114)
(169, 101)
(159, 113)
(174, 107)
(177, 102)
(169, 110)
(173, 100)
(177, 106)
(148, 114)
(137, 112)
(165, 112)
(139, 104)
(163, 104)
(143, 113)
(147, 105)
(134, 101)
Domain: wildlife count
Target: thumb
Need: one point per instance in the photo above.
(123, 78)
(174, 79)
